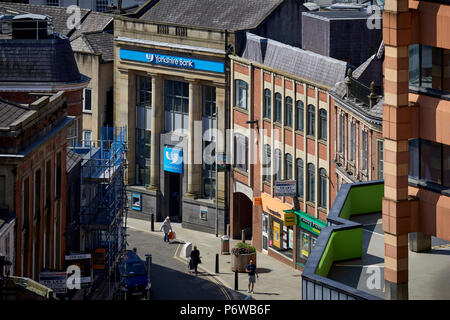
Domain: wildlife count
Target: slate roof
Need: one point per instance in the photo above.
(72, 159)
(95, 42)
(59, 15)
(305, 64)
(215, 14)
(90, 20)
(370, 70)
(10, 112)
(43, 60)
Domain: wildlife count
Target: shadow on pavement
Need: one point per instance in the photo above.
(264, 270)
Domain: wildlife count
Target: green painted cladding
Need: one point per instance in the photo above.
(347, 244)
(342, 245)
(363, 199)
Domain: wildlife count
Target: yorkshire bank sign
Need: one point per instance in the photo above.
(172, 61)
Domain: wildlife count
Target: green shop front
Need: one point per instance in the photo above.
(307, 230)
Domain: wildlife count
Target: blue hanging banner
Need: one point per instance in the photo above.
(173, 160)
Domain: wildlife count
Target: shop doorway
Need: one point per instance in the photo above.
(242, 216)
(174, 198)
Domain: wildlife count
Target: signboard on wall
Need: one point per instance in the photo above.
(57, 281)
(289, 219)
(276, 234)
(286, 188)
(84, 262)
(172, 61)
(173, 159)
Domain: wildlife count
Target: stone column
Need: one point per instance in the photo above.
(221, 124)
(194, 173)
(396, 132)
(419, 242)
(157, 125)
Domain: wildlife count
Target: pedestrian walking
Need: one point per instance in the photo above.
(166, 227)
(252, 272)
(195, 258)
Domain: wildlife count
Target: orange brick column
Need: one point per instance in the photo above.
(397, 130)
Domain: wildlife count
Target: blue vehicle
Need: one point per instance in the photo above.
(133, 275)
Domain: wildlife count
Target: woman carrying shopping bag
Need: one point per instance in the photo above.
(166, 227)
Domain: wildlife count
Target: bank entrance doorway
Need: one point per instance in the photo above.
(174, 197)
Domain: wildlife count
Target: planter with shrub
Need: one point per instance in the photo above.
(241, 256)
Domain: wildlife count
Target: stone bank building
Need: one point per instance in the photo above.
(172, 71)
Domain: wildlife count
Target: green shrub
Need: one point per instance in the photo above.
(243, 248)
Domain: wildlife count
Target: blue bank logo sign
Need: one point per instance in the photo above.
(173, 160)
(172, 61)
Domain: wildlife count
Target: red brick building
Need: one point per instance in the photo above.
(282, 91)
(33, 165)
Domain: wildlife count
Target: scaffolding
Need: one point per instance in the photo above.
(103, 194)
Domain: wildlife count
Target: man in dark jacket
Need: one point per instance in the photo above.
(195, 258)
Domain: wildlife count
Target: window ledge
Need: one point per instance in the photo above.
(430, 92)
(429, 186)
(237, 108)
(87, 111)
(321, 209)
(267, 119)
(277, 123)
(245, 173)
(311, 137)
(299, 132)
(311, 204)
(288, 127)
(324, 142)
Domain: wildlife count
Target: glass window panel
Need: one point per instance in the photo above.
(140, 117)
(300, 177)
(311, 182)
(323, 124)
(446, 165)
(148, 118)
(430, 161)
(414, 61)
(278, 105)
(413, 165)
(299, 115)
(169, 122)
(311, 120)
(446, 70)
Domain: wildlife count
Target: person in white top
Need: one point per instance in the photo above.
(166, 227)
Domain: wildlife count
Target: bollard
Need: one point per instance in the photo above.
(243, 236)
(153, 221)
(217, 263)
(236, 280)
(148, 258)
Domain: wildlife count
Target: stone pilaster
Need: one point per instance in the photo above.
(396, 132)
(194, 173)
(157, 125)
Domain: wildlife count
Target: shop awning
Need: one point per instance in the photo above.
(275, 207)
(307, 222)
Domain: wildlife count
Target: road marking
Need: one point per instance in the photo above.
(220, 283)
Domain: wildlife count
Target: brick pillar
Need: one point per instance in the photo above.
(396, 132)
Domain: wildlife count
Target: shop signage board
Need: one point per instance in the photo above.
(286, 188)
(276, 234)
(57, 281)
(289, 219)
(173, 159)
(83, 261)
(172, 61)
(307, 222)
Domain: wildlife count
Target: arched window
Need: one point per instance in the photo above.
(288, 112)
(311, 182)
(267, 103)
(278, 105)
(299, 177)
(299, 116)
(240, 94)
(277, 169)
(311, 120)
(322, 188)
(288, 166)
(266, 163)
(323, 124)
(241, 152)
